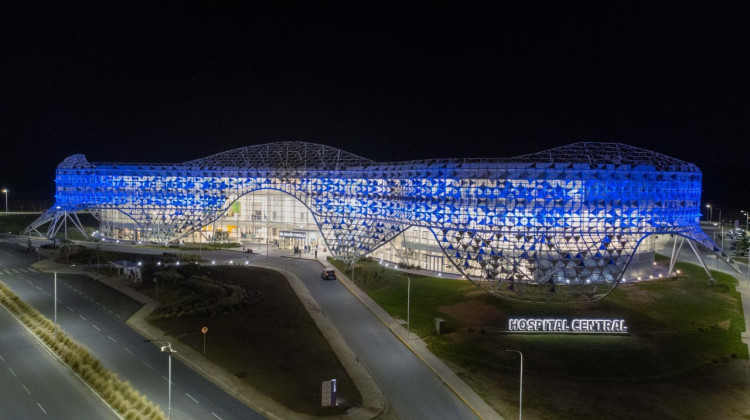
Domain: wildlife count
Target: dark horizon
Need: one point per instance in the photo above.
(172, 82)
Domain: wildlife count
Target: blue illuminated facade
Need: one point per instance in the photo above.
(550, 226)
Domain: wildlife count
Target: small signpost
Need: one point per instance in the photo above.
(329, 393)
(204, 330)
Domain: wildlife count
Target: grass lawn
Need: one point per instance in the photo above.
(271, 342)
(684, 345)
(17, 223)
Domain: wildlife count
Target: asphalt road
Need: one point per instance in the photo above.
(35, 385)
(412, 390)
(95, 315)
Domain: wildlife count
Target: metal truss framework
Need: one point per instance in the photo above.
(558, 225)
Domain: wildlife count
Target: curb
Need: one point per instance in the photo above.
(459, 388)
(373, 401)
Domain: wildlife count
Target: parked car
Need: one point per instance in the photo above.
(328, 274)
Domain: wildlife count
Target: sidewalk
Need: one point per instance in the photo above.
(414, 343)
(419, 348)
(373, 402)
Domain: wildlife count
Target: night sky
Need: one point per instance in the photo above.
(168, 81)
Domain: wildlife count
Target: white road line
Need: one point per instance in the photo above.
(149, 366)
(70, 309)
(29, 281)
(14, 373)
(127, 350)
(191, 397)
(27, 389)
(214, 414)
(118, 316)
(112, 339)
(42, 408)
(165, 378)
(1, 358)
(39, 288)
(97, 328)
(81, 316)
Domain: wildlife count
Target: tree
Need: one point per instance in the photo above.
(743, 244)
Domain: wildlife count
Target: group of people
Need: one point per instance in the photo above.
(306, 249)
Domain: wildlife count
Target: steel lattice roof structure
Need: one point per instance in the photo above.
(549, 226)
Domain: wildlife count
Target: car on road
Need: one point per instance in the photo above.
(328, 274)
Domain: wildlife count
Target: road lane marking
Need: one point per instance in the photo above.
(1, 358)
(149, 366)
(191, 397)
(97, 328)
(127, 350)
(14, 373)
(27, 389)
(42, 408)
(40, 289)
(70, 309)
(214, 414)
(112, 339)
(165, 378)
(81, 316)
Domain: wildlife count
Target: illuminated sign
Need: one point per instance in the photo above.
(292, 234)
(595, 326)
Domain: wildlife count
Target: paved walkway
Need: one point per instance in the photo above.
(373, 400)
(419, 348)
(414, 343)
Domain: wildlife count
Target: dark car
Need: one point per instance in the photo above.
(328, 274)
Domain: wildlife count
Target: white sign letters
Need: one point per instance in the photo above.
(597, 326)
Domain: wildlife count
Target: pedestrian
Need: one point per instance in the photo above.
(316, 253)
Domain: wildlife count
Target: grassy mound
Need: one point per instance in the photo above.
(270, 342)
(680, 329)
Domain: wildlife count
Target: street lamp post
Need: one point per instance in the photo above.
(710, 213)
(168, 349)
(5, 191)
(520, 385)
(408, 309)
(55, 298)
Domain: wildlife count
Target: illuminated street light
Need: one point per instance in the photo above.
(710, 212)
(5, 191)
(168, 349)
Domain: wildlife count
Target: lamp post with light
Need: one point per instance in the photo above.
(5, 191)
(168, 349)
(408, 306)
(710, 213)
(520, 385)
